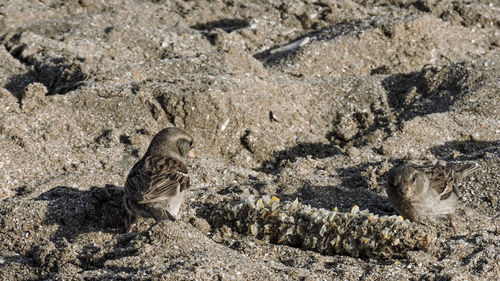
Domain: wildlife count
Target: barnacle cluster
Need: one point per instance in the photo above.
(357, 233)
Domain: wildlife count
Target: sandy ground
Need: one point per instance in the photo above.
(309, 101)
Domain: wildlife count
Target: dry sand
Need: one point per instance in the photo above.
(306, 100)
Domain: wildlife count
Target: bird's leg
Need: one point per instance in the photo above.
(159, 216)
(453, 226)
(130, 223)
(452, 223)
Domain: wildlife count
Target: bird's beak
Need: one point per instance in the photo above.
(192, 154)
(404, 188)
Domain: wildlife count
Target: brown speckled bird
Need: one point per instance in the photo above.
(155, 185)
(427, 193)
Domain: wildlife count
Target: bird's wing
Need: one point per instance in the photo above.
(443, 180)
(138, 181)
(466, 170)
(159, 179)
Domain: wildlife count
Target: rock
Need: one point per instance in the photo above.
(33, 97)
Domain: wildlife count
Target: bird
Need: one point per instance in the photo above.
(155, 185)
(426, 193)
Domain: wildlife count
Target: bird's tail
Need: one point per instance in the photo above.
(467, 169)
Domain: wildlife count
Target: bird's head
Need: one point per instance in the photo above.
(172, 142)
(407, 182)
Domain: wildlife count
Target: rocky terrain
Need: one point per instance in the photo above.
(299, 109)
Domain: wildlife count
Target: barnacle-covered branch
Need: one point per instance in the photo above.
(357, 234)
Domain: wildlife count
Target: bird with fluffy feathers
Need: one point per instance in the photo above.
(426, 193)
(156, 184)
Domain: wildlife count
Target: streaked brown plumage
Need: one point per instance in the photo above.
(155, 185)
(427, 193)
